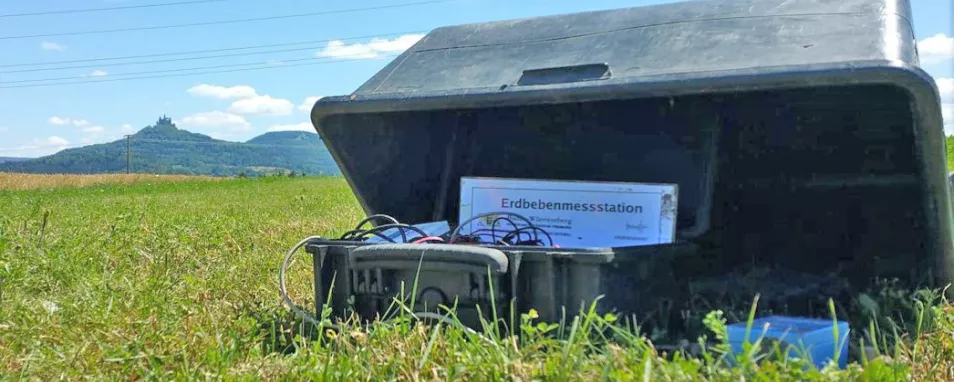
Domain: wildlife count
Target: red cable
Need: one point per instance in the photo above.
(429, 238)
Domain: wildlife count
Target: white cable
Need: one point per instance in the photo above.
(284, 291)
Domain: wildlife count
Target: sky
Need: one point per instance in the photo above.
(78, 97)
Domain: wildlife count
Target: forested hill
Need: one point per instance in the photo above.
(165, 149)
(12, 159)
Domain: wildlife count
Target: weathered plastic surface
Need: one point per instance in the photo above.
(828, 135)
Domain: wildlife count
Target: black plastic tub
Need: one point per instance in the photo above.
(557, 283)
(802, 135)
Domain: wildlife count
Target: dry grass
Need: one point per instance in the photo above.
(19, 181)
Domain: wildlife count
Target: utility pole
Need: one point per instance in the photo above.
(128, 162)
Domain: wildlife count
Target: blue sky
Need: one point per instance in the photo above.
(37, 121)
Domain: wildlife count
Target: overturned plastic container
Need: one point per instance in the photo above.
(817, 341)
(802, 135)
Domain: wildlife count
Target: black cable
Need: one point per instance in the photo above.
(495, 238)
(372, 231)
(456, 231)
(401, 227)
(86, 10)
(483, 233)
(534, 228)
(534, 237)
(493, 226)
(223, 22)
(369, 219)
(443, 296)
(364, 235)
(360, 234)
(352, 234)
(377, 217)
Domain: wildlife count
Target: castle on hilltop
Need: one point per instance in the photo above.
(164, 120)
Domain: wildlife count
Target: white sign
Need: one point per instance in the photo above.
(576, 214)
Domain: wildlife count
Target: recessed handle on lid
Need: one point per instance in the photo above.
(565, 74)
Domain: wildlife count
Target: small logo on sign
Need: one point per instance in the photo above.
(639, 227)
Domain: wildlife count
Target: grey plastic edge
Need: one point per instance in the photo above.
(884, 72)
(462, 254)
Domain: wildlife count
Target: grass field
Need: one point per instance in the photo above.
(179, 281)
(19, 181)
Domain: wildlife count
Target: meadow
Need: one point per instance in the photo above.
(178, 280)
(21, 181)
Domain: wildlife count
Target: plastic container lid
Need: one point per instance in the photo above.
(815, 336)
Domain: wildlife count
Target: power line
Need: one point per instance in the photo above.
(160, 61)
(180, 69)
(190, 74)
(86, 10)
(222, 22)
(100, 59)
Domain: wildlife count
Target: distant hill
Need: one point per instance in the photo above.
(12, 159)
(166, 149)
(292, 138)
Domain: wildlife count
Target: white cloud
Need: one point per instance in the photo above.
(338, 49)
(399, 44)
(52, 46)
(945, 87)
(94, 129)
(304, 126)
(127, 128)
(99, 73)
(308, 103)
(55, 141)
(247, 99)
(263, 104)
(54, 120)
(373, 49)
(936, 48)
(224, 136)
(40, 147)
(217, 120)
(222, 92)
